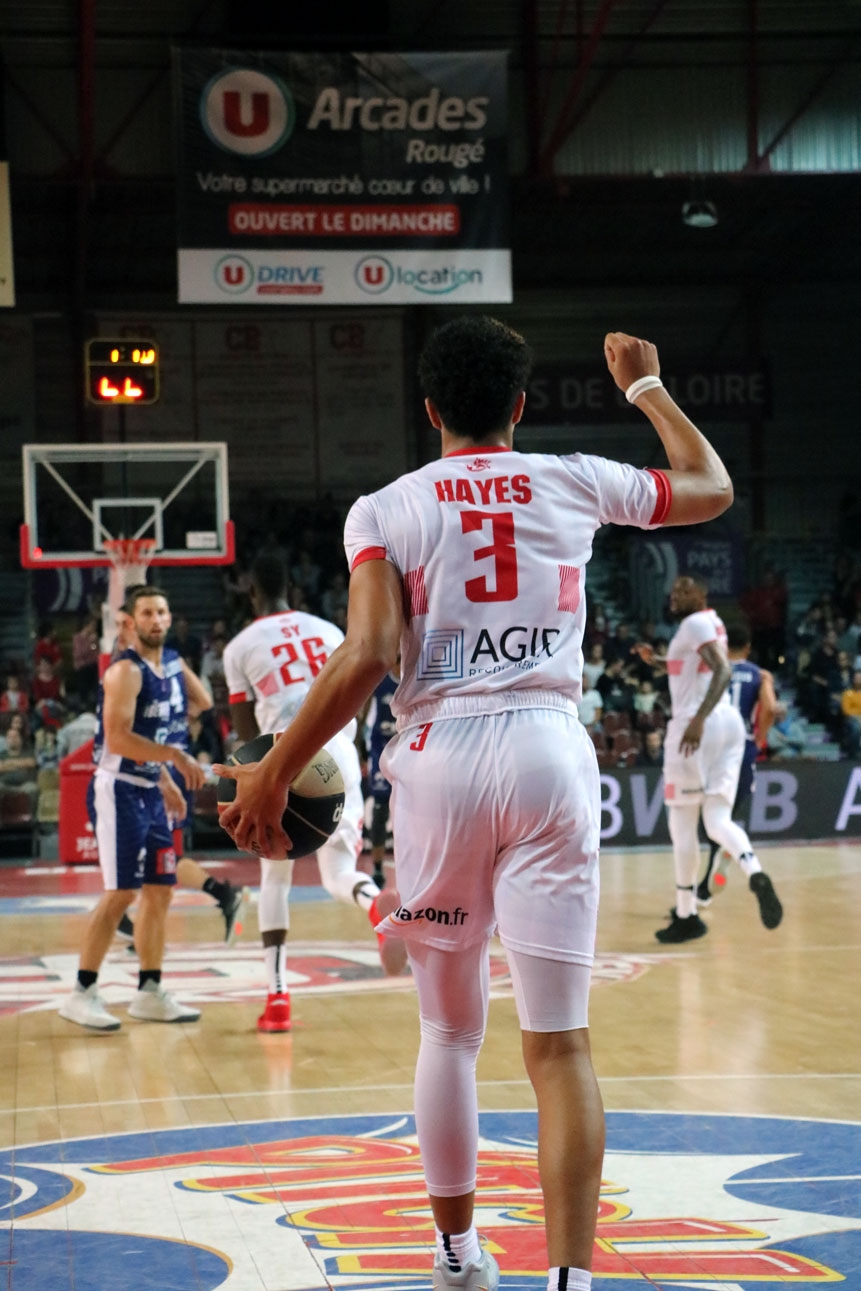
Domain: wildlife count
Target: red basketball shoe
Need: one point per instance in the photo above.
(393, 952)
(276, 1015)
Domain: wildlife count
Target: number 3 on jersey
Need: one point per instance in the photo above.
(501, 551)
(313, 656)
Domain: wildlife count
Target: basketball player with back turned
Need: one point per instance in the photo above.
(472, 571)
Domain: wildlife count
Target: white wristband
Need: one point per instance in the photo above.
(636, 388)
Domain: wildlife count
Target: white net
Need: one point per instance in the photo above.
(130, 560)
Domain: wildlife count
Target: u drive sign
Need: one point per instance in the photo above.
(563, 393)
(792, 800)
(342, 178)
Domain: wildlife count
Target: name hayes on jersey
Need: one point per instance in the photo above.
(519, 644)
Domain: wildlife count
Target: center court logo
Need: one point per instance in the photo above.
(247, 112)
(686, 1200)
(375, 275)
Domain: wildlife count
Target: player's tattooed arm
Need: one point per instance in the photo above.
(717, 661)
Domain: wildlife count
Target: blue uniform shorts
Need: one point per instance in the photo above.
(379, 786)
(132, 832)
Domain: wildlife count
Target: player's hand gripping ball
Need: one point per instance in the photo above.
(315, 802)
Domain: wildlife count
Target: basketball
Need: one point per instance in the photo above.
(315, 801)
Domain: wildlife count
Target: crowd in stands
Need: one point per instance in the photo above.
(47, 707)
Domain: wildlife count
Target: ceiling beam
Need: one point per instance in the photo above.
(588, 51)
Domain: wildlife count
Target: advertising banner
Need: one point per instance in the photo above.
(562, 394)
(339, 178)
(657, 559)
(793, 801)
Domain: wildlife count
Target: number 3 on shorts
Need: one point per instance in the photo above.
(421, 739)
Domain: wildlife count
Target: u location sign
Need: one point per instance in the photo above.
(333, 179)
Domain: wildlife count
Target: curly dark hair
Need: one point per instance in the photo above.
(473, 369)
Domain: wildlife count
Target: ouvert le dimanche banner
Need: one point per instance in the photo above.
(342, 178)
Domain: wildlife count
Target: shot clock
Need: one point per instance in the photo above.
(121, 371)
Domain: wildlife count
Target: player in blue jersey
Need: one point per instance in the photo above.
(187, 695)
(751, 691)
(136, 853)
(379, 727)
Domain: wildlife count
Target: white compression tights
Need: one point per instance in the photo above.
(720, 826)
(273, 909)
(453, 989)
(340, 879)
(683, 822)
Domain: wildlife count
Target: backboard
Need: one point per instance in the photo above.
(77, 497)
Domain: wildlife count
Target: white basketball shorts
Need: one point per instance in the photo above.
(496, 823)
(714, 768)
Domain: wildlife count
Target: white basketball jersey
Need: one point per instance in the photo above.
(688, 674)
(273, 662)
(492, 546)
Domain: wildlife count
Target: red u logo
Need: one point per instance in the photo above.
(233, 117)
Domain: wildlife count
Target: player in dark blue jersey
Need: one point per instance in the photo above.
(187, 694)
(133, 834)
(379, 727)
(751, 690)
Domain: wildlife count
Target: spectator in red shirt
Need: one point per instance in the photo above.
(48, 647)
(14, 698)
(48, 695)
(765, 607)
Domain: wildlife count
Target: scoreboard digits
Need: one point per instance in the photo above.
(121, 371)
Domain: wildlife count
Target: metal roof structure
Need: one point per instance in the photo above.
(622, 111)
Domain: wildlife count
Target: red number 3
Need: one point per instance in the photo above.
(501, 550)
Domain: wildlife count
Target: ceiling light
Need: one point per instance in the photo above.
(698, 214)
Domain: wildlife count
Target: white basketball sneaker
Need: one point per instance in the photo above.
(155, 1004)
(483, 1276)
(87, 1008)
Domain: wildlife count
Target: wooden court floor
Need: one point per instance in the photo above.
(739, 1046)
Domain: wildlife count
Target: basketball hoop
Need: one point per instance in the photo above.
(130, 559)
(131, 556)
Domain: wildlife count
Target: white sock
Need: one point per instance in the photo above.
(567, 1279)
(686, 902)
(749, 863)
(457, 1249)
(365, 893)
(275, 958)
